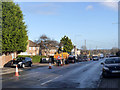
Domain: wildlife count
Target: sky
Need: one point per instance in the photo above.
(95, 22)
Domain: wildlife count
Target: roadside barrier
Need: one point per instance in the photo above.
(16, 73)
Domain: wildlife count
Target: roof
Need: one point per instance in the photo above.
(33, 44)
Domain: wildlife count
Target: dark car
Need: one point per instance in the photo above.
(22, 62)
(85, 58)
(45, 60)
(95, 58)
(111, 67)
(71, 59)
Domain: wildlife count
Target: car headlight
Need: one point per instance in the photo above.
(105, 68)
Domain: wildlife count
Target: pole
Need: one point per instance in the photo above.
(85, 44)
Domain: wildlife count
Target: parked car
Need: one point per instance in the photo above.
(85, 58)
(45, 60)
(22, 62)
(95, 58)
(111, 67)
(71, 59)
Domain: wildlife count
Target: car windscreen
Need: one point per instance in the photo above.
(94, 56)
(28, 59)
(111, 61)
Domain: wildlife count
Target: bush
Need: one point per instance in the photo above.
(35, 59)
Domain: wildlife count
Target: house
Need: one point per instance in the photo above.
(32, 49)
(49, 52)
(75, 51)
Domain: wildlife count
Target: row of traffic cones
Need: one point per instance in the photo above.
(50, 66)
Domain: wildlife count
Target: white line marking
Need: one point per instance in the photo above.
(44, 78)
(51, 80)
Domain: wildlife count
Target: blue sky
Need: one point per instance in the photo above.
(94, 22)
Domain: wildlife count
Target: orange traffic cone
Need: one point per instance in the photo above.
(50, 66)
(16, 73)
(61, 63)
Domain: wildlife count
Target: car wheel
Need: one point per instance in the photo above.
(104, 74)
(30, 65)
(23, 65)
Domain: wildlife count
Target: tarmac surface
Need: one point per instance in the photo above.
(78, 75)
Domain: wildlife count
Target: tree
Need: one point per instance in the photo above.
(0, 28)
(14, 33)
(66, 43)
(114, 50)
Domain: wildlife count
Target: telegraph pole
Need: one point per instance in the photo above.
(96, 49)
(85, 44)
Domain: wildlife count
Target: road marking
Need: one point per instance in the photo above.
(51, 80)
(44, 78)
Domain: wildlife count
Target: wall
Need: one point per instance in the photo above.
(6, 58)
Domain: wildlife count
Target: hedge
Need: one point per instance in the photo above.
(35, 59)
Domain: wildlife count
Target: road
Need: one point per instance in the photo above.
(78, 75)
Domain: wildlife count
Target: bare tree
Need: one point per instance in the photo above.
(46, 43)
(114, 50)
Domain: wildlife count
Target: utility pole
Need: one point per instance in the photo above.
(85, 44)
(96, 49)
(85, 47)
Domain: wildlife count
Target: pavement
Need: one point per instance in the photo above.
(8, 70)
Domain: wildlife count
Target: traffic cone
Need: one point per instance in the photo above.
(16, 73)
(61, 63)
(50, 66)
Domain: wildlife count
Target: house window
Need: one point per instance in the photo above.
(29, 48)
(33, 48)
(37, 48)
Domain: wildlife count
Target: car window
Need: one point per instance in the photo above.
(94, 56)
(27, 59)
(70, 58)
(20, 59)
(111, 61)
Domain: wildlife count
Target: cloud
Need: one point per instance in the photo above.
(89, 7)
(111, 4)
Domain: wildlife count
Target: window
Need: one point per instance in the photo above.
(33, 48)
(29, 48)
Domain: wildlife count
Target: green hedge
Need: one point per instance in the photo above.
(35, 59)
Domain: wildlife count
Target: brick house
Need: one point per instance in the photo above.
(32, 49)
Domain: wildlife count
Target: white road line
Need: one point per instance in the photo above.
(45, 78)
(51, 80)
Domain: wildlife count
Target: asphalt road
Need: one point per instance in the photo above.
(78, 75)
